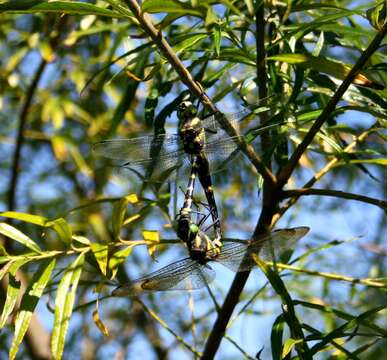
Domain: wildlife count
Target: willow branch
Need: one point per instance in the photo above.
(196, 89)
(232, 298)
(287, 170)
(334, 193)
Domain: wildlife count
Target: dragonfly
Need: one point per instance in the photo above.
(200, 144)
(195, 272)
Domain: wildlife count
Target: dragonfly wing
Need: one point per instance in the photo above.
(211, 122)
(221, 148)
(147, 155)
(184, 274)
(237, 254)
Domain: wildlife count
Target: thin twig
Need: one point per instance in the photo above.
(331, 276)
(323, 171)
(335, 193)
(287, 170)
(20, 134)
(166, 327)
(196, 89)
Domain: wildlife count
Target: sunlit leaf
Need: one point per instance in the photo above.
(289, 345)
(81, 239)
(29, 301)
(62, 228)
(100, 252)
(118, 258)
(152, 239)
(171, 7)
(324, 65)
(61, 7)
(189, 41)
(33, 219)
(17, 235)
(64, 302)
(59, 147)
(377, 16)
(13, 288)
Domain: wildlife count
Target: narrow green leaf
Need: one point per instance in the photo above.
(117, 259)
(326, 66)
(11, 298)
(119, 212)
(29, 302)
(189, 41)
(211, 17)
(217, 35)
(237, 56)
(377, 16)
(276, 337)
(118, 216)
(381, 161)
(100, 252)
(18, 236)
(12, 266)
(172, 7)
(62, 228)
(288, 346)
(64, 302)
(33, 219)
(62, 7)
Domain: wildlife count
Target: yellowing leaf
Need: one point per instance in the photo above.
(100, 325)
(152, 238)
(132, 198)
(131, 219)
(59, 147)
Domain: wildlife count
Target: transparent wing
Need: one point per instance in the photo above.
(237, 254)
(211, 123)
(220, 148)
(147, 155)
(184, 274)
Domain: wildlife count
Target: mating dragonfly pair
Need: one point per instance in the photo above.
(200, 143)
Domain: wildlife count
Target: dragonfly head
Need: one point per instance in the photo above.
(186, 110)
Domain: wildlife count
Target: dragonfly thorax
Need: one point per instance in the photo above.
(193, 136)
(202, 248)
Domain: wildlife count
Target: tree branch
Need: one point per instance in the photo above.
(269, 201)
(20, 134)
(287, 170)
(335, 193)
(196, 89)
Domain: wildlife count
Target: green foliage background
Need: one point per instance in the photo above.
(73, 73)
